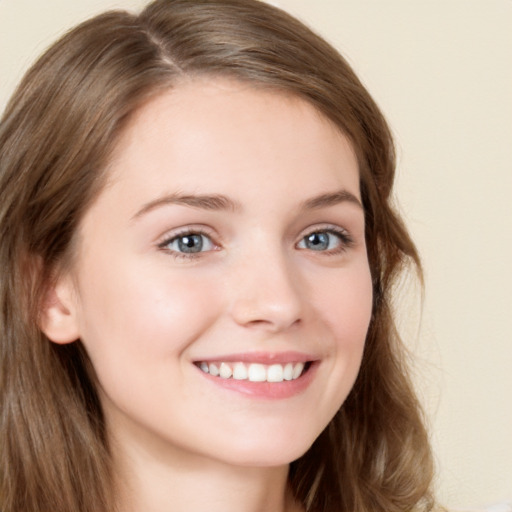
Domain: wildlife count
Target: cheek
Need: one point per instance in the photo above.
(347, 304)
(141, 314)
(347, 307)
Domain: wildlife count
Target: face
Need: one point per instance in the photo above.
(221, 285)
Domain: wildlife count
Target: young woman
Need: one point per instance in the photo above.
(198, 253)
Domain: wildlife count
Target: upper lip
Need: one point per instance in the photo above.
(262, 358)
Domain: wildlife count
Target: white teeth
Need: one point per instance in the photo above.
(257, 373)
(297, 370)
(225, 371)
(275, 373)
(253, 372)
(240, 371)
(288, 372)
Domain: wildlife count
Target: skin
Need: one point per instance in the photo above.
(146, 312)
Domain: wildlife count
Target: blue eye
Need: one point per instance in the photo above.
(324, 241)
(189, 243)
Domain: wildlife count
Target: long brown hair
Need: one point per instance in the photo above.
(56, 136)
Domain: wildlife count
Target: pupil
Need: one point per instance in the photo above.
(318, 241)
(191, 243)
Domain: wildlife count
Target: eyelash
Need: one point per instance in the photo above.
(189, 232)
(344, 238)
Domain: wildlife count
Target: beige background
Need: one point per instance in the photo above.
(442, 72)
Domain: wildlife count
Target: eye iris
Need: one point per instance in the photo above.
(318, 241)
(190, 243)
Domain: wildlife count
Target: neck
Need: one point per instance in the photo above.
(192, 484)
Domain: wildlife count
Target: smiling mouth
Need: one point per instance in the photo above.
(254, 372)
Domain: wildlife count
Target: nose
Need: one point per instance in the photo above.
(266, 294)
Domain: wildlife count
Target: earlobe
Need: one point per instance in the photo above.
(58, 318)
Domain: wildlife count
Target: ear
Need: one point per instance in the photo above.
(58, 315)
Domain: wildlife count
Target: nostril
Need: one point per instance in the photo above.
(272, 325)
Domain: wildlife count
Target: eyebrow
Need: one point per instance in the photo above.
(219, 202)
(213, 202)
(331, 199)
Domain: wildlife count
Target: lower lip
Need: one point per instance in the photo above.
(266, 390)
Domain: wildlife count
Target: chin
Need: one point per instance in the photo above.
(269, 452)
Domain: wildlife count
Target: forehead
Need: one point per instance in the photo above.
(204, 130)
